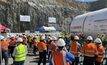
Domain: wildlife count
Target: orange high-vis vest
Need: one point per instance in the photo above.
(74, 48)
(53, 46)
(59, 58)
(12, 42)
(41, 46)
(35, 42)
(4, 45)
(101, 52)
(89, 49)
(49, 47)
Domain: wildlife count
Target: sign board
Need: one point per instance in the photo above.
(27, 32)
(51, 19)
(24, 18)
(36, 31)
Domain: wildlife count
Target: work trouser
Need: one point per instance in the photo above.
(19, 62)
(0, 58)
(34, 50)
(11, 49)
(5, 57)
(42, 56)
(49, 55)
(30, 44)
(89, 60)
(76, 61)
(98, 63)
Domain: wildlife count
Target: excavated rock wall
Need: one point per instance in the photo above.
(39, 10)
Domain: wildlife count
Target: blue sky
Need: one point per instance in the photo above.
(86, 0)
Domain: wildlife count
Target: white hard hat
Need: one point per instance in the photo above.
(50, 38)
(43, 38)
(98, 40)
(19, 40)
(89, 38)
(60, 36)
(54, 38)
(25, 36)
(12, 36)
(1, 37)
(76, 38)
(61, 42)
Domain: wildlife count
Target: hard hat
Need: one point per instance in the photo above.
(89, 38)
(12, 36)
(19, 40)
(54, 38)
(1, 37)
(76, 37)
(60, 36)
(50, 38)
(61, 42)
(24, 36)
(43, 38)
(98, 33)
(98, 40)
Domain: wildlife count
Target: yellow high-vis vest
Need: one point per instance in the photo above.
(21, 51)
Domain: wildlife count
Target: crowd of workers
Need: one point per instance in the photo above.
(60, 51)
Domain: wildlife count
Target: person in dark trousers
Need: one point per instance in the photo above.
(4, 48)
(89, 50)
(20, 52)
(61, 56)
(75, 49)
(101, 51)
(42, 51)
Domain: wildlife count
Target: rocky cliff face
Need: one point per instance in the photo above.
(39, 10)
(98, 5)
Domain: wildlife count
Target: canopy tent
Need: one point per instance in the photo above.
(44, 28)
(3, 28)
(86, 0)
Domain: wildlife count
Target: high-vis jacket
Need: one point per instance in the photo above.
(4, 45)
(41, 46)
(89, 49)
(61, 58)
(101, 52)
(12, 42)
(75, 48)
(20, 52)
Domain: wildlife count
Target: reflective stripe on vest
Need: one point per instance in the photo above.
(90, 51)
(100, 56)
(101, 52)
(20, 53)
(89, 55)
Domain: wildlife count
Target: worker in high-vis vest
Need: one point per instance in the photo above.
(75, 49)
(20, 52)
(89, 50)
(4, 49)
(42, 51)
(61, 56)
(101, 52)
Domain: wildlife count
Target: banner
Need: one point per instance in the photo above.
(24, 18)
(51, 19)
